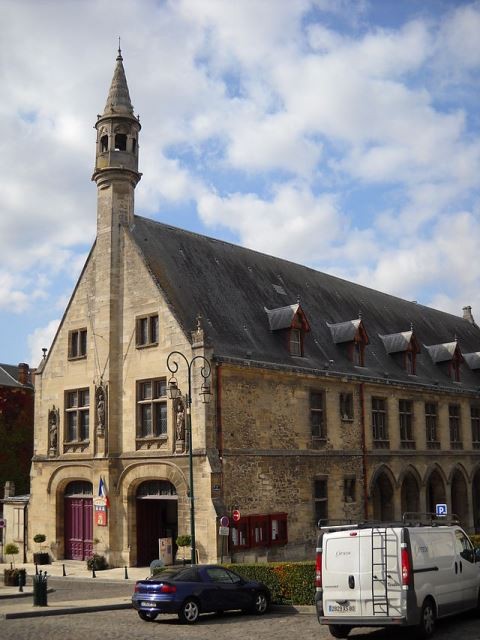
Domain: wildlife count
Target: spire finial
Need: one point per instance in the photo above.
(119, 57)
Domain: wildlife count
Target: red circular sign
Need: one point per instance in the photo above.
(236, 515)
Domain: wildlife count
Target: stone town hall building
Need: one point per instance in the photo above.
(328, 398)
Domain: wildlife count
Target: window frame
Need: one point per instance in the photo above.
(156, 401)
(455, 425)
(347, 413)
(316, 411)
(475, 425)
(72, 432)
(431, 425)
(406, 423)
(77, 344)
(149, 336)
(349, 489)
(379, 418)
(320, 499)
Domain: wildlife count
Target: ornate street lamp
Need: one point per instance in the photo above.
(174, 393)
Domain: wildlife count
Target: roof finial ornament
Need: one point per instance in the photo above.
(119, 57)
(199, 322)
(411, 326)
(359, 314)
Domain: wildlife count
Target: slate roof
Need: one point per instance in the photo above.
(397, 342)
(8, 376)
(230, 286)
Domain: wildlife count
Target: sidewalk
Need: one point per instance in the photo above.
(17, 604)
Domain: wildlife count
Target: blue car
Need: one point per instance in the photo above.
(192, 590)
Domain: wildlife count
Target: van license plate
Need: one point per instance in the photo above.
(147, 604)
(334, 607)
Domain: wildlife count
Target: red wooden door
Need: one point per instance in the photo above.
(78, 528)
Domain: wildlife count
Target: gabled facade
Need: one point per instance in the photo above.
(317, 410)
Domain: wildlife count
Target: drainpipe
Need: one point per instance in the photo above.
(364, 450)
(219, 411)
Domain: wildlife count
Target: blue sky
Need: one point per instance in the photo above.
(342, 134)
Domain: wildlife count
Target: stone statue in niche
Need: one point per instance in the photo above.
(101, 406)
(53, 423)
(179, 408)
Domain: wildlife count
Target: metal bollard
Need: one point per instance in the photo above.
(64, 572)
(40, 589)
(126, 574)
(21, 581)
(94, 575)
(36, 569)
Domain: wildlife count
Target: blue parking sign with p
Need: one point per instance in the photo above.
(441, 509)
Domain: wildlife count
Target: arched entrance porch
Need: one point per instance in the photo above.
(157, 518)
(382, 497)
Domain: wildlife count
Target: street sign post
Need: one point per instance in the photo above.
(441, 509)
(236, 515)
(224, 521)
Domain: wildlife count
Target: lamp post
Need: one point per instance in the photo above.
(174, 393)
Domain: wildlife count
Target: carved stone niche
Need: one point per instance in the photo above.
(101, 410)
(53, 429)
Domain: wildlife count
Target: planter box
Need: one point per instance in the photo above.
(41, 558)
(11, 577)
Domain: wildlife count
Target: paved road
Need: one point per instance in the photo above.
(125, 625)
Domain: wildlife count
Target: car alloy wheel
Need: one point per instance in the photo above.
(260, 603)
(189, 612)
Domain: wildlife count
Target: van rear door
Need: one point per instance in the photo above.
(341, 574)
(381, 571)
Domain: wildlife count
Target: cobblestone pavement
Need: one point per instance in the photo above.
(285, 625)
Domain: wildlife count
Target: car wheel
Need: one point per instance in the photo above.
(260, 603)
(148, 616)
(339, 630)
(189, 612)
(426, 626)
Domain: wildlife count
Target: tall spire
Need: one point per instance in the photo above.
(118, 100)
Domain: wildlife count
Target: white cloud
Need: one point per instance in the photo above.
(41, 338)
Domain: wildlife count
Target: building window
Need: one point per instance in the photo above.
(296, 342)
(346, 406)
(454, 424)
(260, 531)
(321, 499)
(317, 414)
(77, 415)
(475, 418)
(410, 362)
(147, 331)
(357, 353)
(104, 144)
(431, 425)
(152, 408)
(349, 489)
(379, 423)
(77, 344)
(454, 368)
(120, 142)
(405, 419)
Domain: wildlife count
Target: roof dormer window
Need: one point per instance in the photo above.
(448, 356)
(404, 348)
(292, 323)
(353, 336)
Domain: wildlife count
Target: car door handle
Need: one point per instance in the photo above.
(456, 567)
(351, 582)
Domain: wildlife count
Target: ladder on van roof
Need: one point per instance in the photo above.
(379, 572)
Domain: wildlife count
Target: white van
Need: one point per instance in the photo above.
(408, 574)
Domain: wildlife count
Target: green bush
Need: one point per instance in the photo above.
(289, 582)
(97, 562)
